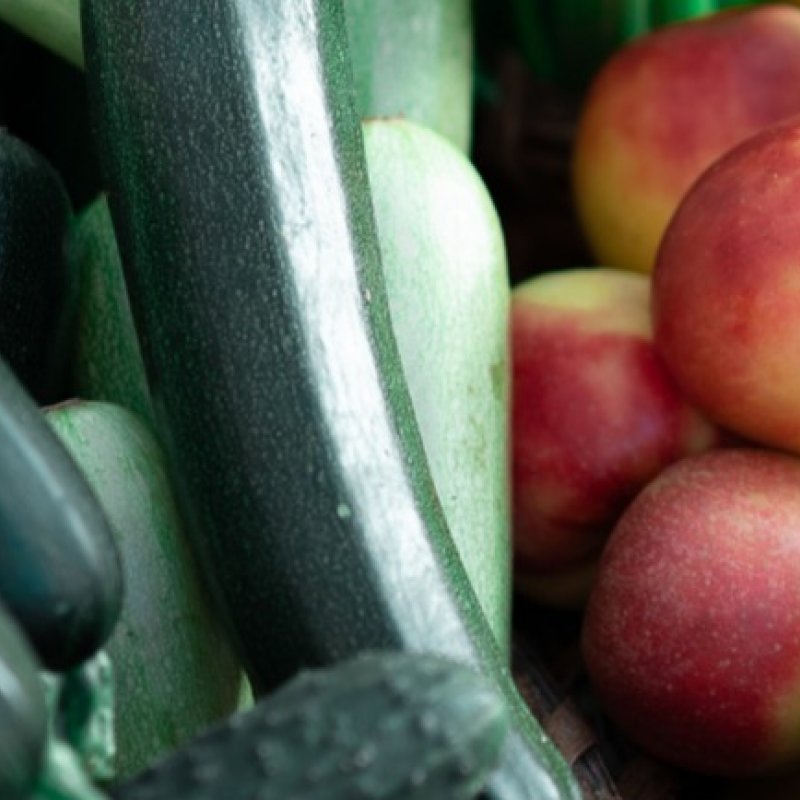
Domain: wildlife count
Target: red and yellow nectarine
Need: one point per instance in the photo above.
(691, 636)
(726, 290)
(595, 416)
(667, 105)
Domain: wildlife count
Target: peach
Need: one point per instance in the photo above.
(691, 636)
(667, 105)
(726, 290)
(595, 416)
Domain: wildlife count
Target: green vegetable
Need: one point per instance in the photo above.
(448, 292)
(59, 568)
(665, 11)
(81, 711)
(384, 725)
(53, 23)
(239, 193)
(63, 776)
(448, 295)
(108, 360)
(23, 716)
(567, 41)
(35, 295)
(174, 669)
(413, 59)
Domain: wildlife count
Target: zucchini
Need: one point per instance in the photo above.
(107, 360)
(384, 725)
(413, 59)
(448, 292)
(239, 193)
(175, 672)
(55, 26)
(448, 295)
(59, 568)
(23, 713)
(36, 298)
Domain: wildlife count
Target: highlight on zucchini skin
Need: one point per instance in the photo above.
(60, 574)
(238, 188)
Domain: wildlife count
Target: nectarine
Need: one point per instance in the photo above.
(595, 416)
(726, 290)
(664, 107)
(691, 636)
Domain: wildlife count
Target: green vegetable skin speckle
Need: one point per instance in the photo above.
(239, 192)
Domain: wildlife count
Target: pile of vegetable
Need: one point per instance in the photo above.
(268, 454)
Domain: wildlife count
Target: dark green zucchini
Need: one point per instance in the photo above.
(238, 187)
(413, 59)
(392, 726)
(23, 714)
(59, 568)
(36, 299)
(174, 669)
(107, 360)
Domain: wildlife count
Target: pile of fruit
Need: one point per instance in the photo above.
(280, 441)
(655, 440)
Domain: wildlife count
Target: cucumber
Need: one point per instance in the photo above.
(239, 193)
(36, 299)
(59, 568)
(384, 725)
(448, 290)
(413, 58)
(23, 714)
(175, 672)
(107, 359)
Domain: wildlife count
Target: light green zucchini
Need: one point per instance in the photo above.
(413, 58)
(175, 672)
(447, 281)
